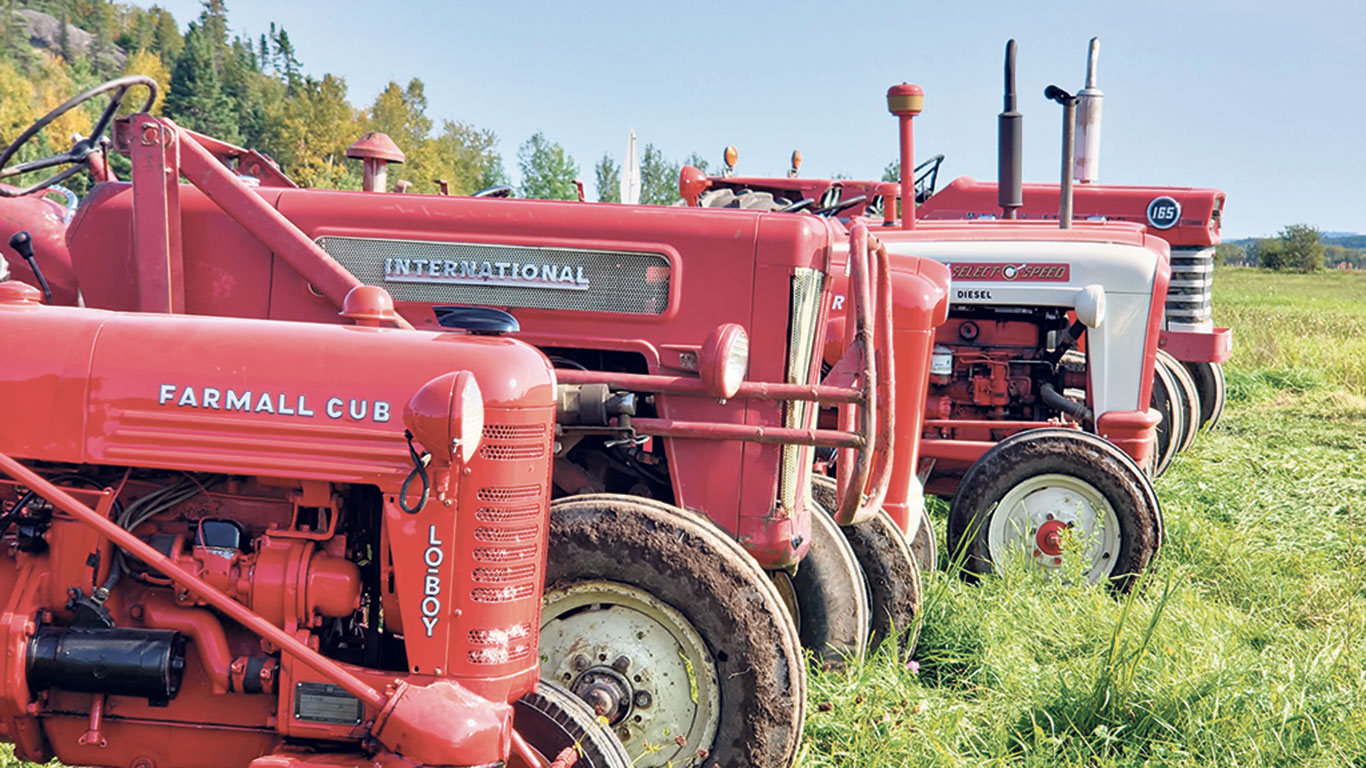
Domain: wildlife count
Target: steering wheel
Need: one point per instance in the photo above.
(926, 176)
(842, 205)
(83, 148)
(501, 190)
(800, 205)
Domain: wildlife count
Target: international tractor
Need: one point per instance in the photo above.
(215, 553)
(687, 561)
(1037, 419)
(1188, 382)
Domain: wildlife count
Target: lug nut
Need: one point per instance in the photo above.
(642, 699)
(621, 664)
(580, 663)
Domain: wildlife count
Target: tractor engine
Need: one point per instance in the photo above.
(394, 526)
(1004, 363)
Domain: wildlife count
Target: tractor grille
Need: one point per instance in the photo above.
(507, 541)
(1188, 296)
(512, 276)
(807, 290)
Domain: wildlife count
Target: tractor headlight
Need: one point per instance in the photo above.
(724, 360)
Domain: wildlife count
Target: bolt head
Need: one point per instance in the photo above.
(621, 664)
(643, 699)
(580, 663)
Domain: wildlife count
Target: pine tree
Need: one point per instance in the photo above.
(166, 36)
(196, 98)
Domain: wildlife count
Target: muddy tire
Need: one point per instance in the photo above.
(889, 569)
(1067, 502)
(833, 614)
(1209, 383)
(551, 719)
(666, 626)
(1189, 398)
(1166, 398)
(924, 547)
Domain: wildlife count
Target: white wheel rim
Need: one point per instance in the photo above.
(1059, 524)
(601, 622)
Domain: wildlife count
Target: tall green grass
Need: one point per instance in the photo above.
(1247, 646)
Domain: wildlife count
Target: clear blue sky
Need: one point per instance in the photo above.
(1261, 99)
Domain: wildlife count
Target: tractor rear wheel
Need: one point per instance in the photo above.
(889, 569)
(1064, 501)
(666, 627)
(1166, 398)
(1190, 397)
(831, 599)
(1209, 382)
(551, 719)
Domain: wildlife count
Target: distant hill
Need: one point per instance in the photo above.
(1344, 239)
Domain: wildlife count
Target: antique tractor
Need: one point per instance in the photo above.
(1015, 412)
(688, 349)
(217, 551)
(1188, 380)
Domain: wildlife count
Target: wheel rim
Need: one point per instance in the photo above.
(1047, 518)
(788, 592)
(638, 662)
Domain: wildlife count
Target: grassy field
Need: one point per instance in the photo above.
(1248, 645)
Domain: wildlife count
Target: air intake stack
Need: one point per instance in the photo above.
(1087, 167)
(1009, 143)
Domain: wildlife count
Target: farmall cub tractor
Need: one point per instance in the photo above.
(687, 348)
(216, 552)
(1042, 448)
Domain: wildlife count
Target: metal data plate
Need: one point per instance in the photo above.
(326, 703)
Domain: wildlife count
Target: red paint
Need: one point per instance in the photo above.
(93, 398)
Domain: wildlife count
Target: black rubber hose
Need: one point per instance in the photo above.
(1053, 399)
(419, 471)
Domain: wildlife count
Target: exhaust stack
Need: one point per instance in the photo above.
(1009, 145)
(906, 101)
(1069, 124)
(1087, 167)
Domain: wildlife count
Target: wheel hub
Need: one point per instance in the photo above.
(1048, 539)
(635, 661)
(607, 691)
(1049, 514)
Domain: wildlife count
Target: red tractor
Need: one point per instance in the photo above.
(1037, 419)
(1189, 395)
(687, 348)
(216, 552)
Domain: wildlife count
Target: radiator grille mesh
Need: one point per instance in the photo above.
(433, 272)
(1188, 295)
(807, 290)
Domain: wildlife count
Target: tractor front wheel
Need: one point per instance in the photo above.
(1171, 429)
(1189, 397)
(551, 719)
(830, 599)
(668, 629)
(1209, 382)
(1066, 502)
(889, 569)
